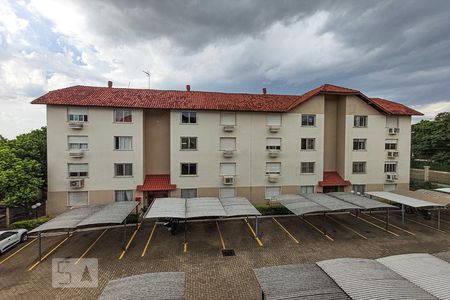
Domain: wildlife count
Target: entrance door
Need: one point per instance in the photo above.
(333, 189)
(156, 194)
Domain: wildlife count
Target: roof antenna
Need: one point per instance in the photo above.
(148, 75)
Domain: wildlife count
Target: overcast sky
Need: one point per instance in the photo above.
(399, 50)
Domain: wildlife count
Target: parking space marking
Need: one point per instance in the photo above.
(130, 241)
(17, 251)
(285, 230)
(373, 224)
(319, 230)
(49, 253)
(392, 225)
(148, 241)
(90, 247)
(220, 235)
(185, 247)
(347, 227)
(425, 225)
(254, 234)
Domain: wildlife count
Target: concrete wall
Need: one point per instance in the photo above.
(434, 176)
(157, 141)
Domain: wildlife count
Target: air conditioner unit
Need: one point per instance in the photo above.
(273, 178)
(392, 154)
(76, 153)
(76, 183)
(76, 125)
(228, 153)
(274, 152)
(228, 128)
(393, 131)
(228, 180)
(391, 177)
(274, 128)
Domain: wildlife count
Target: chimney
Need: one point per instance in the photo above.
(188, 87)
(110, 84)
(264, 91)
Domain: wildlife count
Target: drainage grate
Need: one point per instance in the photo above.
(228, 252)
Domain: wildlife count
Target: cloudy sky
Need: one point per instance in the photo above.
(397, 50)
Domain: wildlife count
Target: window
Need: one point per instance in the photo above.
(227, 192)
(307, 167)
(123, 195)
(359, 167)
(188, 143)
(307, 189)
(123, 143)
(123, 169)
(360, 121)
(273, 119)
(390, 187)
(227, 143)
(77, 114)
(359, 144)
(391, 122)
(78, 198)
(390, 144)
(188, 193)
(188, 169)
(228, 169)
(390, 167)
(77, 142)
(308, 144)
(359, 188)
(78, 170)
(123, 115)
(272, 191)
(273, 168)
(273, 144)
(308, 120)
(188, 117)
(228, 118)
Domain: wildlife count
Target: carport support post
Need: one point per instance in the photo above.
(387, 219)
(324, 221)
(256, 226)
(40, 246)
(185, 232)
(439, 219)
(403, 215)
(124, 233)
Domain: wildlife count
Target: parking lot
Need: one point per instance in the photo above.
(209, 275)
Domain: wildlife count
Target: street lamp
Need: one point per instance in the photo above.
(35, 207)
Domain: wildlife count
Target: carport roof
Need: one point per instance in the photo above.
(113, 213)
(443, 190)
(364, 202)
(413, 202)
(204, 207)
(167, 208)
(427, 195)
(329, 202)
(166, 285)
(299, 205)
(238, 206)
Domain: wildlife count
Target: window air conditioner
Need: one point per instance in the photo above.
(228, 128)
(228, 153)
(391, 177)
(76, 125)
(273, 178)
(393, 131)
(76, 184)
(274, 128)
(228, 180)
(392, 154)
(76, 153)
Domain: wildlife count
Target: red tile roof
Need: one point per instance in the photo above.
(333, 179)
(159, 182)
(199, 100)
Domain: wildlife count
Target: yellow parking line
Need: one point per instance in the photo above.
(426, 225)
(220, 235)
(285, 230)
(392, 225)
(185, 247)
(316, 228)
(347, 227)
(90, 247)
(373, 224)
(148, 241)
(254, 234)
(49, 253)
(18, 250)
(129, 242)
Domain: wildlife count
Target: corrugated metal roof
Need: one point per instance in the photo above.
(167, 208)
(424, 270)
(306, 281)
(427, 195)
(369, 279)
(364, 202)
(204, 207)
(168, 285)
(413, 202)
(238, 206)
(329, 202)
(299, 205)
(113, 213)
(443, 190)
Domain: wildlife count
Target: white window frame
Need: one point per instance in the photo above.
(360, 121)
(273, 143)
(309, 163)
(224, 166)
(307, 189)
(388, 169)
(188, 189)
(189, 164)
(226, 195)
(79, 173)
(359, 188)
(124, 167)
(269, 196)
(389, 121)
(123, 111)
(77, 114)
(224, 120)
(270, 122)
(221, 144)
(188, 143)
(78, 192)
(359, 167)
(359, 142)
(307, 116)
(269, 170)
(118, 143)
(80, 145)
(189, 116)
(123, 191)
(308, 144)
(391, 142)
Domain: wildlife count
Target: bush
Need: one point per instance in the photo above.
(29, 224)
(273, 210)
(419, 184)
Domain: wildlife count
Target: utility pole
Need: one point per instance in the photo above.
(148, 75)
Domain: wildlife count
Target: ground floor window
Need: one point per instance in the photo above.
(78, 198)
(188, 193)
(307, 189)
(390, 187)
(272, 191)
(227, 192)
(124, 195)
(359, 188)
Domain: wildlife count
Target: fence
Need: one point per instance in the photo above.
(14, 214)
(431, 175)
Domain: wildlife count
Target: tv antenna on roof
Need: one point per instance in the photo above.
(148, 75)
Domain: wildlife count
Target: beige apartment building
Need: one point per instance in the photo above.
(110, 144)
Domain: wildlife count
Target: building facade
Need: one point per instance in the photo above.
(109, 144)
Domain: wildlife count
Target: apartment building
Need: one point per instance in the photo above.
(114, 144)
